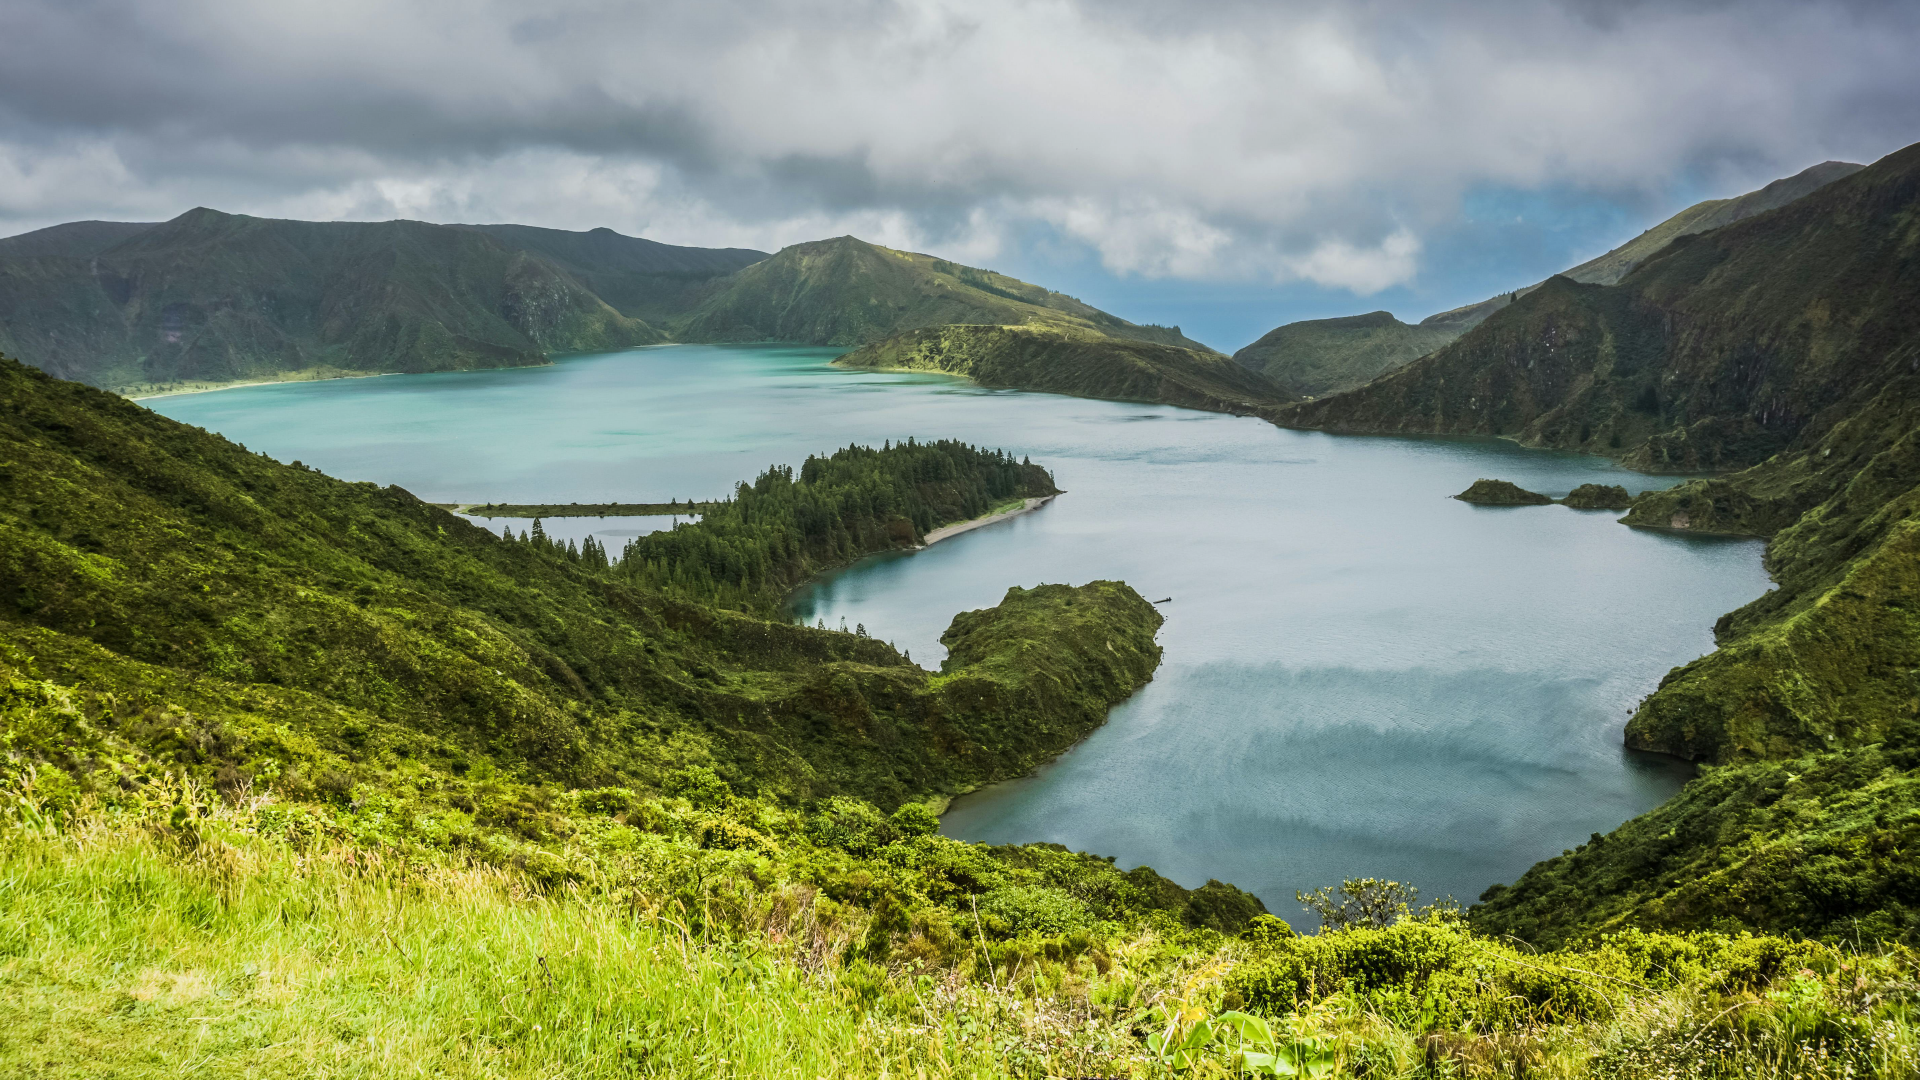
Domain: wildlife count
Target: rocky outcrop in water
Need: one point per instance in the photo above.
(1598, 497)
(1486, 492)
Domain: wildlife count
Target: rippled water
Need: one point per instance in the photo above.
(1362, 676)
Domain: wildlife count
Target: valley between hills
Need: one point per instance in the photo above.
(270, 710)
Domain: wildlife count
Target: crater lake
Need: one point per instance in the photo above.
(1362, 676)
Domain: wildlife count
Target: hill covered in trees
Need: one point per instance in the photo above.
(1069, 361)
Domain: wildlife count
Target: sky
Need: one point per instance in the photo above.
(1226, 165)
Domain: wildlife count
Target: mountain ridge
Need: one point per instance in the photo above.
(845, 291)
(219, 296)
(1317, 357)
(1053, 359)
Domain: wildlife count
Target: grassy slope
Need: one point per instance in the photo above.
(74, 239)
(1808, 703)
(848, 292)
(641, 278)
(429, 881)
(1325, 356)
(1074, 362)
(1717, 353)
(1608, 269)
(211, 296)
(1820, 845)
(1331, 356)
(137, 549)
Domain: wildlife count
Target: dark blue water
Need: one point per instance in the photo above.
(1362, 676)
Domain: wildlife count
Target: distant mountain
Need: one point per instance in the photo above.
(1328, 356)
(75, 239)
(1072, 361)
(1608, 269)
(846, 291)
(213, 296)
(1713, 354)
(642, 279)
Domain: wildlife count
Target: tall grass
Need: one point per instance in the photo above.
(198, 942)
(121, 954)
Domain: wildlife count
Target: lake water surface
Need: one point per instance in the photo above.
(1362, 676)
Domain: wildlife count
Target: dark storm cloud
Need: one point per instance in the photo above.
(1317, 141)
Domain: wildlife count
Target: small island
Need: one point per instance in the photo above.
(1485, 492)
(1598, 497)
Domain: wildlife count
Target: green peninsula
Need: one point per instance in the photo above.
(1068, 361)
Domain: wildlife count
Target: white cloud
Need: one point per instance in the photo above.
(1227, 140)
(1362, 270)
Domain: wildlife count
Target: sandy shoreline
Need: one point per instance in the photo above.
(261, 382)
(946, 531)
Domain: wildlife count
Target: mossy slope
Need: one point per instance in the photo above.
(138, 554)
(1718, 352)
(1070, 361)
(1485, 492)
(1819, 845)
(846, 291)
(1318, 357)
(213, 296)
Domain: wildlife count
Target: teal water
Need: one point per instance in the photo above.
(612, 533)
(1362, 676)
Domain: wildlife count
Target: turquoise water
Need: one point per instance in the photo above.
(613, 533)
(1362, 676)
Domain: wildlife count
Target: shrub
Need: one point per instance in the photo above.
(914, 819)
(1023, 909)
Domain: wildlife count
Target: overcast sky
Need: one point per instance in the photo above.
(1226, 165)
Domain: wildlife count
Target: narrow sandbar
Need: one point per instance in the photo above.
(946, 531)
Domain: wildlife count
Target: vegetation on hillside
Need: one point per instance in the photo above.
(168, 569)
(1720, 351)
(1325, 356)
(846, 291)
(1820, 845)
(1068, 361)
(222, 297)
(640, 278)
(750, 551)
(1791, 341)
(1485, 492)
(1319, 357)
(305, 776)
(168, 929)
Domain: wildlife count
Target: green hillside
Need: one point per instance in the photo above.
(1070, 361)
(1319, 357)
(1608, 269)
(75, 239)
(640, 278)
(303, 777)
(220, 297)
(849, 292)
(1715, 354)
(138, 549)
(1325, 356)
(1783, 343)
